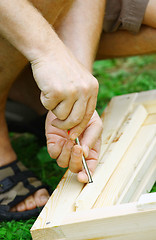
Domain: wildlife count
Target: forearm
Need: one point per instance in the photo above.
(25, 28)
(81, 29)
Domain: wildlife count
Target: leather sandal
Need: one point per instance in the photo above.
(16, 184)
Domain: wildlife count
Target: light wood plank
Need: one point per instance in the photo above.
(148, 99)
(147, 182)
(151, 119)
(125, 169)
(115, 222)
(146, 202)
(113, 117)
(60, 203)
(111, 159)
(147, 163)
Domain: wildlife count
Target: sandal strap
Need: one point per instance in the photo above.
(17, 187)
(6, 215)
(9, 182)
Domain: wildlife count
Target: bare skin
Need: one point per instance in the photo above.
(40, 68)
(61, 147)
(117, 44)
(119, 49)
(67, 88)
(141, 43)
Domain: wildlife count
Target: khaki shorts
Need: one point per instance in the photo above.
(124, 14)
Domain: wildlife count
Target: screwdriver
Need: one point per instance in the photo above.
(84, 163)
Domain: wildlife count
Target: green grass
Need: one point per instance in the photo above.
(116, 77)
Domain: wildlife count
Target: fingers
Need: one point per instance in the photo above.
(63, 109)
(75, 164)
(55, 149)
(78, 129)
(52, 133)
(78, 118)
(67, 153)
(71, 156)
(50, 101)
(92, 133)
(92, 162)
(64, 157)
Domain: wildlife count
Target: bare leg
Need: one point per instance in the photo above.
(8, 73)
(26, 91)
(11, 64)
(123, 43)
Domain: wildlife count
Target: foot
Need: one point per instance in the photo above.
(38, 199)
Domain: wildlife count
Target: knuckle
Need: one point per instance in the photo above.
(88, 115)
(62, 116)
(73, 92)
(57, 92)
(77, 119)
(59, 114)
(47, 100)
(70, 123)
(95, 85)
(85, 89)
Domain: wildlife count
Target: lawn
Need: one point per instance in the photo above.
(116, 77)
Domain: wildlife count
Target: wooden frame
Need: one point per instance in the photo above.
(113, 207)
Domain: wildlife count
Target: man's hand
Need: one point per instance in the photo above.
(67, 89)
(67, 153)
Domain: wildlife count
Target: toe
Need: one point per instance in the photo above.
(41, 197)
(21, 207)
(30, 203)
(13, 209)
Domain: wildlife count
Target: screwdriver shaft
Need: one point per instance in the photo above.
(85, 164)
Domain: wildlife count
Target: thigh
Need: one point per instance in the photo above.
(52, 10)
(123, 43)
(116, 42)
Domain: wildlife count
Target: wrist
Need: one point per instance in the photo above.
(40, 46)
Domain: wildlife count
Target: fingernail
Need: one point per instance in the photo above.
(85, 150)
(77, 151)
